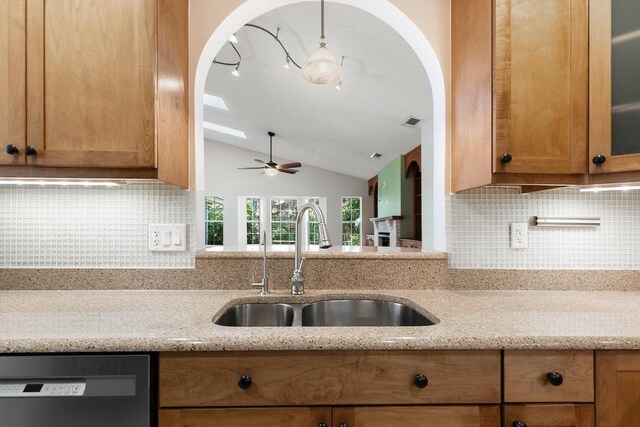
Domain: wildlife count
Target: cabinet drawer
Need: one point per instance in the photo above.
(550, 415)
(253, 417)
(328, 378)
(527, 376)
(440, 416)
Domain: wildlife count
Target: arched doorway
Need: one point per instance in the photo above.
(434, 135)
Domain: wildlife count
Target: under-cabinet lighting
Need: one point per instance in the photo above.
(224, 129)
(618, 188)
(64, 183)
(215, 102)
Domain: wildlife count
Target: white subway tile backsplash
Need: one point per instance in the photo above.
(91, 227)
(478, 229)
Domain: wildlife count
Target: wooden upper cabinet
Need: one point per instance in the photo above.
(618, 388)
(12, 80)
(614, 86)
(541, 86)
(91, 82)
(551, 416)
(441, 416)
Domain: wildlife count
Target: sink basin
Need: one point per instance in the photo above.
(257, 315)
(353, 312)
(361, 313)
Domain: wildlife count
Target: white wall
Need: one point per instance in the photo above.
(223, 179)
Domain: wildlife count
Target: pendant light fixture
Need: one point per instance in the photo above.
(323, 69)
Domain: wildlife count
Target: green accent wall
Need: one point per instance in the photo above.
(390, 188)
(395, 195)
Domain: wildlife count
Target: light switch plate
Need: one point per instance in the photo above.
(167, 237)
(519, 235)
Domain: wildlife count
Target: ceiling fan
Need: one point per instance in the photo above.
(272, 168)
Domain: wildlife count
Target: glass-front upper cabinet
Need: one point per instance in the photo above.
(614, 85)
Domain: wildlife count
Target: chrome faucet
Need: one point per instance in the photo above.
(297, 281)
(263, 285)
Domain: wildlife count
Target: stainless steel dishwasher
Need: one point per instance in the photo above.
(75, 391)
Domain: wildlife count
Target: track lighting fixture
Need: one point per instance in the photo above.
(235, 72)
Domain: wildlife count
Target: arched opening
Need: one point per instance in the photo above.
(433, 133)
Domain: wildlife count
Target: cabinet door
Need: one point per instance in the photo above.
(91, 82)
(267, 417)
(550, 415)
(614, 86)
(540, 87)
(425, 416)
(12, 80)
(618, 388)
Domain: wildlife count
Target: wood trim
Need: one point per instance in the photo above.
(413, 156)
(101, 173)
(527, 189)
(538, 179)
(13, 107)
(472, 93)
(35, 77)
(173, 92)
(372, 185)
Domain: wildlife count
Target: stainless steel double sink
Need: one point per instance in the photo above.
(336, 312)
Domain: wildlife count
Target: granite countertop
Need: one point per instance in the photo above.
(97, 321)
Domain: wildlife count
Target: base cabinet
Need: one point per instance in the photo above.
(618, 388)
(254, 417)
(549, 416)
(427, 416)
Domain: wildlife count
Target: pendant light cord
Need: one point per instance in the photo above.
(322, 20)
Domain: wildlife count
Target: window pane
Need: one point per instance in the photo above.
(283, 217)
(351, 219)
(214, 217)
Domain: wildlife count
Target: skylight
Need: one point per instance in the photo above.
(224, 129)
(215, 102)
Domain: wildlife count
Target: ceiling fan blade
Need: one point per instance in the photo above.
(289, 171)
(289, 165)
(257, 167)
(260, 161)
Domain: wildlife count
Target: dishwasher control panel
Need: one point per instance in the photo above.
(41, 389)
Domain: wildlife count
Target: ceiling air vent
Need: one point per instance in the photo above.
(412, 122)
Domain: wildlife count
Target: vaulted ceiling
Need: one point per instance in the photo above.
(384, 83)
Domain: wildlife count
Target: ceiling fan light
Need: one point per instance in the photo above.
(271, 172)
(323, 69)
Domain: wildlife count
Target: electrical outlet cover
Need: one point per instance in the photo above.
(519, 235)
(167, 237)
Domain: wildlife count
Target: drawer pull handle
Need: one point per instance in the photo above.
(599, 160)
(421, 381)
(519, 424)
(30, 151)
(555, 378)
(244, 382)
(322, 425)
(506, 158)
(11, 149)
(343, 425)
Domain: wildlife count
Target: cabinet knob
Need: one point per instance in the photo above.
(555, 378)
(343, 425)
(519, 424)
(421, 381)
(506, 158)
(11, 149)
(245, 382)
(599, 160)
(30, 151)
(322, 425)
